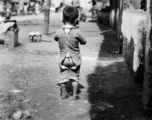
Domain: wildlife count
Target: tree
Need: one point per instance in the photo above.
(46, 16)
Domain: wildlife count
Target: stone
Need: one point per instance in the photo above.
(17, 115)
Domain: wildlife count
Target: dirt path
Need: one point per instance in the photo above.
(107, 92)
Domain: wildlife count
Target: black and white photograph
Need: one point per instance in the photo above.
(75, 59)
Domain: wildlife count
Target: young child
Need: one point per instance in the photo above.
(69, 38)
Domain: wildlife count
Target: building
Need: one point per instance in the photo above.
(83, 3)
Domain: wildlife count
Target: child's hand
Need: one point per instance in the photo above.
(63, 67)
(73, 68)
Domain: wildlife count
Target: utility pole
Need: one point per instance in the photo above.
(47, 16)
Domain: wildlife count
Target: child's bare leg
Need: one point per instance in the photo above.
(75, 89)
(64, 94)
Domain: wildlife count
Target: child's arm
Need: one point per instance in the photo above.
(80, 38)
(56, 38)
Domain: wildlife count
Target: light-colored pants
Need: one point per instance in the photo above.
(61, 15)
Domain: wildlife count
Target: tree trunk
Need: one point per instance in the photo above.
(119, 22)
(47, 17)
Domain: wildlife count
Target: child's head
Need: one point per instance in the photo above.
(70, 15)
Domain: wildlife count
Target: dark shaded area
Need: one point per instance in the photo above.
(128, 51)
(110, 43)
(1, 41)
(147, 84)
(112, 93)
(143, 5)
(92, 21)
(19, 44)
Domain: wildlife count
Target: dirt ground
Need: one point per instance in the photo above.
(107, 91)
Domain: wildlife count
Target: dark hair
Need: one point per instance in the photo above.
(70, 14)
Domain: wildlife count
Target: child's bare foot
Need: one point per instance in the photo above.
(64, 96)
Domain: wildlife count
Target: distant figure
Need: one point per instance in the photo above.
(21, 7)
(69, 38)
(60, 7)
(31, 8)
(15, 8)
(43, 7)
(63, 4)
(93, 8)
(8, 11)
(37, 8)
(82, 14)
(25, 8)
(93, 2)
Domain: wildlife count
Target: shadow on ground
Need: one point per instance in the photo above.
(112, 94)
(1, 41)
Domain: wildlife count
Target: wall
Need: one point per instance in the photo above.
(134, 27)
(137, 46)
